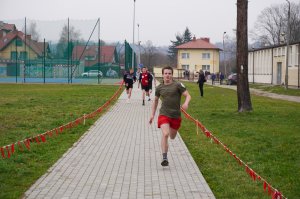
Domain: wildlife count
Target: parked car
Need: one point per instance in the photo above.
(232, 79)
(111, 73)
(92, 73)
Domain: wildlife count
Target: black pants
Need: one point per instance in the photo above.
(201, 88)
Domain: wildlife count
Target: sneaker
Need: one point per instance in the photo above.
(149, 99)
(165, 163)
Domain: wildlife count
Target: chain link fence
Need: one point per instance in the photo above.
(63, 51)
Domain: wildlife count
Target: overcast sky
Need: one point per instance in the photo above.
(159, 20)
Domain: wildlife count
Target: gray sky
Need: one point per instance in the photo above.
(159, 20)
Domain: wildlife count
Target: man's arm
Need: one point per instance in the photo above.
(154, 107)
(188, 98)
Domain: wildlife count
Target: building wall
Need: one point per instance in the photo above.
(6, 52)
(176, 73)
(269, 65)
(195, 60)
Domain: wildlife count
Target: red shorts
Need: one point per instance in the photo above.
(174, 122)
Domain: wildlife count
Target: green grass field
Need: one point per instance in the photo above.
(29, 110)
(267, 139)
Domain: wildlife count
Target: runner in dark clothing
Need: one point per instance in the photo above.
(129, 79)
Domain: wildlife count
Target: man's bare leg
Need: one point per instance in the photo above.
(164, 143)
(143, 97)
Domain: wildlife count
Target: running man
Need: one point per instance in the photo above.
(150, 85)
(169, 119)
(129, 79)
(144, 80)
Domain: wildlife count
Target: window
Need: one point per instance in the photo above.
(185, 67)
(13, 55)
(90, 58)
(185, 55)
(205, 55)
(19, 42)
(206, 68)
(23, 55)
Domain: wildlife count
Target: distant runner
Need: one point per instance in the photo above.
(129, 79)
(144, 80)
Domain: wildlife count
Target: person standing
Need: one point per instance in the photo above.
(221, 78)
(144, 81)
(169, 119)
(201, 81)
(129, 78)
(213, 78)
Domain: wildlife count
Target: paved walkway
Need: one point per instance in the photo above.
(266, 94)
(119, 157)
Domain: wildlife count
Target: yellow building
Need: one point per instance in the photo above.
(198, 54)
(15, 51)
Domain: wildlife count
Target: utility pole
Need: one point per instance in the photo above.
(224, 54)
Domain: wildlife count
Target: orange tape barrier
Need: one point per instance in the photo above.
(274, 193)
(8, 150)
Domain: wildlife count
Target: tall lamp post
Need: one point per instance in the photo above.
(224, 54)
(287, 48)
(132, 65)
(139, 43)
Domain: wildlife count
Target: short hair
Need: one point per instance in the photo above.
(168, 68)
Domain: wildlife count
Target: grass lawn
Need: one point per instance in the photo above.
(267, 139)
(276, 89)
(32, 109)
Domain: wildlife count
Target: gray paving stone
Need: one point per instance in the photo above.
(119, 157)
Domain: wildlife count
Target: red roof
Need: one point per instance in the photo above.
(9, 27)
(9, 37)
(107, 53)
(202, 43)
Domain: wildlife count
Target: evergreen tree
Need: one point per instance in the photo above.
(172, 52)
(180, 39)
(187, 35)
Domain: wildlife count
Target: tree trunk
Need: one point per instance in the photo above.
(243, 93)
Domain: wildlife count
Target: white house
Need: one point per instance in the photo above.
(268, 64)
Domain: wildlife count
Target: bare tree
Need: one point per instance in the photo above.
(294, 22)
(149, 54)
(243, 93)
(74, 35)
(272, 24)
(32, 30)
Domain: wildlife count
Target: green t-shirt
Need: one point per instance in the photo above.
(170, 96)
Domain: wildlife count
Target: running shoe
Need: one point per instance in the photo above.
(165, 163)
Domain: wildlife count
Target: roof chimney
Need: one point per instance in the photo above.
(205, 39)
(194, 38)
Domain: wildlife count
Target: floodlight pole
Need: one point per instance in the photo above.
(25, 58)
(68, 50)
(99, 50)
(139, 44)
(132, 64)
